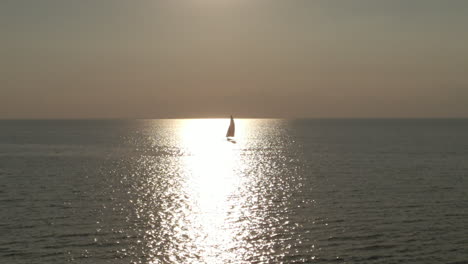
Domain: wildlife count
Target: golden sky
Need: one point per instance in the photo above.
(250, 58)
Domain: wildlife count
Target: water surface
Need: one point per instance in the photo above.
(289, 191)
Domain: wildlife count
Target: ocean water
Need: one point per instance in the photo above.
(288, 191)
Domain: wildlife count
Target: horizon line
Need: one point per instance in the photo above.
(227, 117)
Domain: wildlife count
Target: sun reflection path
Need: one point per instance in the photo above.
(210, 163)
(220, 202)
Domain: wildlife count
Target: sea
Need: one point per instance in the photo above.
(283, 191)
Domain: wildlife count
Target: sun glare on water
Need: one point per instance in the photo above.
(211, 165)
(210, 162)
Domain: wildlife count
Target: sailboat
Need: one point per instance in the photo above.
(231, 130)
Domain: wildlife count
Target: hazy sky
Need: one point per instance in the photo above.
(250, 58)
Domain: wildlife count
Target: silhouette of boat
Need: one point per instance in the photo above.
(231, 131)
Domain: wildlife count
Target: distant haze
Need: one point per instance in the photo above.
(249, 58)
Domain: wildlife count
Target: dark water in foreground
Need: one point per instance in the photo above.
(175, 191)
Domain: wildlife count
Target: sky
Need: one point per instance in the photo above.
(250, 58)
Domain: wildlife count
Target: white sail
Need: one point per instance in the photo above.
(232, 129)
